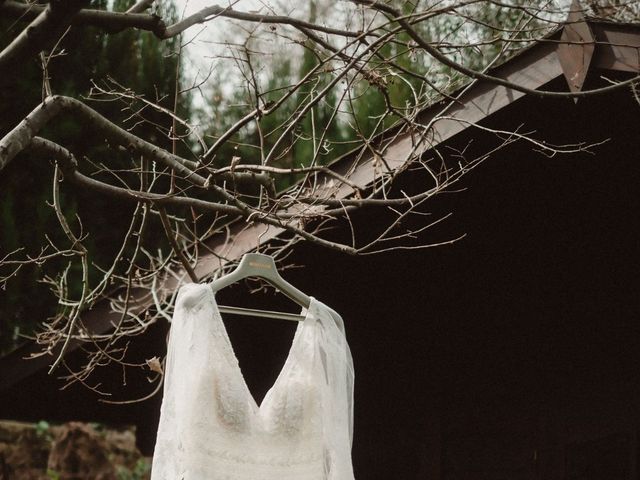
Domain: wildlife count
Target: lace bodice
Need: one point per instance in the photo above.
(211, 428)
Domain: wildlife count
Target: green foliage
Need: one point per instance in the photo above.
(53, 475)
(43, 430)
(137, 61)
(140, 471)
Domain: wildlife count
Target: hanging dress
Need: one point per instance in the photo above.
(211, 428)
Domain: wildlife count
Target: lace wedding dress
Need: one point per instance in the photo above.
(211, 428)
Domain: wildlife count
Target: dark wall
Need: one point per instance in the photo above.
(514, 353)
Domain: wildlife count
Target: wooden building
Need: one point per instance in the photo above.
(512, 354)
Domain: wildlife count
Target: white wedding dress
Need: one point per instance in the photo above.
(211, 428)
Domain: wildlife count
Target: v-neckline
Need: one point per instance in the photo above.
(302, 325)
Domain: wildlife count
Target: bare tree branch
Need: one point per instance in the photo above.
(114, 22)
(174, 245)
(111, 22)
(20, 137)
(140, 6)
(387, 83)
(43, 32)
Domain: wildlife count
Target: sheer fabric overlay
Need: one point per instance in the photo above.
(211, 428)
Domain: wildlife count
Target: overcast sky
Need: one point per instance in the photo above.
(203, 39)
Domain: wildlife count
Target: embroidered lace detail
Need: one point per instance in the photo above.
(212, 429)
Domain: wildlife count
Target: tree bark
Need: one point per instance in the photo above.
(41, 34)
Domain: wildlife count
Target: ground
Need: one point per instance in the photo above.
(71, 451)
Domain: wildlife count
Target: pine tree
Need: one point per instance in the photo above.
(137, 61)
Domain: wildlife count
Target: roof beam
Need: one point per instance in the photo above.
(576, 50)
(618, 47)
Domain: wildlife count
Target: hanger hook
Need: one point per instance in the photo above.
(260, 239)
